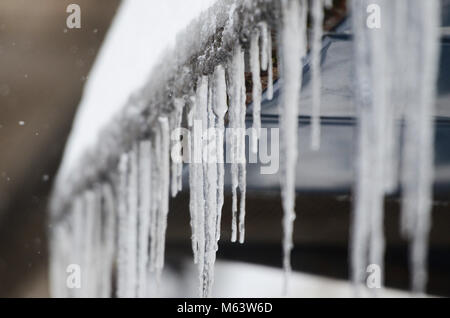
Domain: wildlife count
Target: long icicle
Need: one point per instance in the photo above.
(163, 209)
(155, 197)
(211, 195)
(132, 229)
(200, 126)
(177, 167)
(122, 260)
(109, 211)
(417, 179)
(293, 41)
(242, 177)
(236, 83)
(266, 56)
(379, 56)
(371, 60)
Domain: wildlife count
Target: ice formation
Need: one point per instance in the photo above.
(255, 66)
(236, 116)
(109, 216)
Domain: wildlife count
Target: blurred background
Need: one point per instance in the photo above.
(43, 67)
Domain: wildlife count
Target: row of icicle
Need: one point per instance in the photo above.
(396, 67)
(116, 231)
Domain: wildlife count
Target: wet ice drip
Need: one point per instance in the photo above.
(317, 14)
(115, 228)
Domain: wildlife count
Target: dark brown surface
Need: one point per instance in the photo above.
(43, 67)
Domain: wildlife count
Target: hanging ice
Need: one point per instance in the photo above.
(317, 8)
(177, 167)
(293, 41)
(198, 185)
(417, 173)
(211, 193)
(122, 260)
(145, 189)
(129, 205)
(163, 208)
(237, 109)
(220, 108)
(108, 239)
(392, 51)
(256, 91)
(266, 57)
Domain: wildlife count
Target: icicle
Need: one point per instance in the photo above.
(98, 264)
(417, 174)
(264, 45)
(192, 179)
(122, 260)
(241, 151)
(371, 57)
(163, 209)
(401, 50)
(237, 135)
(210, 170)
(256, 92)
(88, 252)
(317, 16)
(266, 56)
(132, 230)
(200, 126)
(269, 67)
(234, 114)
(293, 41)
(145, 177)
(79, 235)
(108, 239)
(155, 199)
(220, 109)
(177, 167)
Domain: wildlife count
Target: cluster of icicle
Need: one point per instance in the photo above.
(396, 71)
(116, 230)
